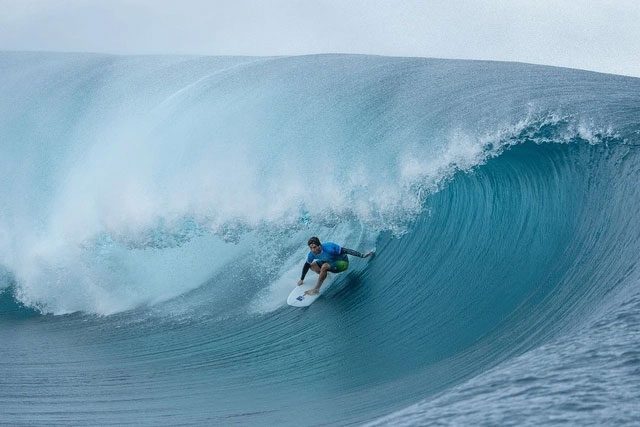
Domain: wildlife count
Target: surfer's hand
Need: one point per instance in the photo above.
(300, 282)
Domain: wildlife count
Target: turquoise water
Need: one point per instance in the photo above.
(155, 212)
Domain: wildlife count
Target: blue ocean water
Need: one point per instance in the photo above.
(154, 212)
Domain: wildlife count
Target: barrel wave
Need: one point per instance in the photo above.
(155, 210)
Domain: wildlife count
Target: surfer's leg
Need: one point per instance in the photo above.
(315, 267)
(323, 274)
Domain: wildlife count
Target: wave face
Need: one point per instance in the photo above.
(155, 212)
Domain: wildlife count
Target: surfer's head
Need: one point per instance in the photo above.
(314, 245)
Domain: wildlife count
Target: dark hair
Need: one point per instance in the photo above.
(313, 240)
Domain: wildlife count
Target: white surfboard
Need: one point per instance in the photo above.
(297, 298)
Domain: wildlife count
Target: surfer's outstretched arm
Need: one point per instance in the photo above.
(348, 251)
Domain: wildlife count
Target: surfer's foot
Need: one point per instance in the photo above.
(313, 291)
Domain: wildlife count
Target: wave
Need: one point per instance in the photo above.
(175, 194)
(132, 165)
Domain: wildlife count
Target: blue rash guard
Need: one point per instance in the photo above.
(331, 252)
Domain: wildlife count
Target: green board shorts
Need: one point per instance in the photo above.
(336, 266)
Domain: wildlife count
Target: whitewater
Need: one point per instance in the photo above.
(154, 213)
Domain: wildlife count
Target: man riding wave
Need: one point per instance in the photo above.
(326, 257)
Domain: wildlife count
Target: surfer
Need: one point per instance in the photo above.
(326, 257)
